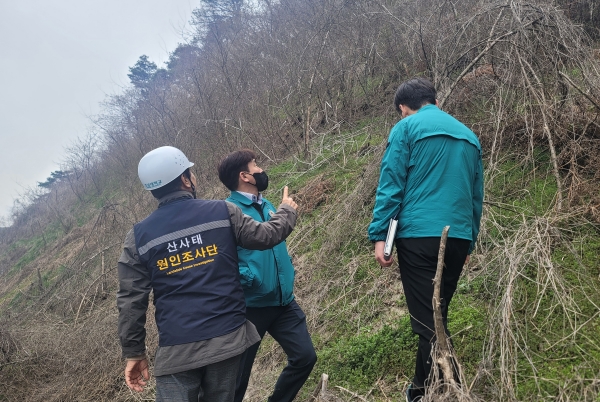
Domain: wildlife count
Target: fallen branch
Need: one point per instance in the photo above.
(581, 91)
(352, 393)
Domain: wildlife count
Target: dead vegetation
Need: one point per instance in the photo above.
(311, 83)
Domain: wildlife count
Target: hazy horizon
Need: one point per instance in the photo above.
(60, 60)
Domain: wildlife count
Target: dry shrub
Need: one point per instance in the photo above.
(8, 348)
(315, 193)
(67, 349)
(531, 291)
(74, 362)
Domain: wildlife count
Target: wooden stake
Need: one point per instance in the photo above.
(445, 359)
(321, 388)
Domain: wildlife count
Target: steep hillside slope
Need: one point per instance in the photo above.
(309, 84)
(526, 307)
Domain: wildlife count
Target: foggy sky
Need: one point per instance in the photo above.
(58, 60)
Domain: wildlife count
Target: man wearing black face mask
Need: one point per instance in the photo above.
(268, 282)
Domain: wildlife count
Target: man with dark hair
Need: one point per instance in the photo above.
(185, 253)
(431, 176)
(268, 281)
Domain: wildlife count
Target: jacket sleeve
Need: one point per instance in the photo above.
(255, 235)
(477, 203)
(392, 183)
(132, 299)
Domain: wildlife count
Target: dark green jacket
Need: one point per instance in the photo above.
(267, 276)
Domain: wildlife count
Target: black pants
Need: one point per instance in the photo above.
(417, 259)
(287, 325)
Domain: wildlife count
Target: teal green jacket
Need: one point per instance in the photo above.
(267, 276)
(433, 174)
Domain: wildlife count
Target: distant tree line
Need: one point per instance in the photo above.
(275, 76)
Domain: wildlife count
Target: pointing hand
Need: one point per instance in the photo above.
(287, 199)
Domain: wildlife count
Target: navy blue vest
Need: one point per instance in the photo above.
(189, 249)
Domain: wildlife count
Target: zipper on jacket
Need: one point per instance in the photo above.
(259, 208)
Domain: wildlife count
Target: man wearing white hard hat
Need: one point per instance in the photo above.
(185, 253)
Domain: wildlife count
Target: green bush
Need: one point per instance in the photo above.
(359, 361)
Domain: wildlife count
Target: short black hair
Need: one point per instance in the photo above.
(230, 167)
(172, 186)
(415, 93)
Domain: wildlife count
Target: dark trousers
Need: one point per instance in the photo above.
(212, 383)
(417, 259)
(287, 325)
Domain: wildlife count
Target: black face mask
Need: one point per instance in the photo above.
(262, 181)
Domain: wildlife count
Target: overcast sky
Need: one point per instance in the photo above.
(58, 60)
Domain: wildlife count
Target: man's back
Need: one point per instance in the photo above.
(432, 173)
(189, 251)
(439, 188)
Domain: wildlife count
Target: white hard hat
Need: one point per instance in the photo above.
(161, 166)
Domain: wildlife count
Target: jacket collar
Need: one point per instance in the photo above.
(174, 196)
(427, 106)
(242, 199)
